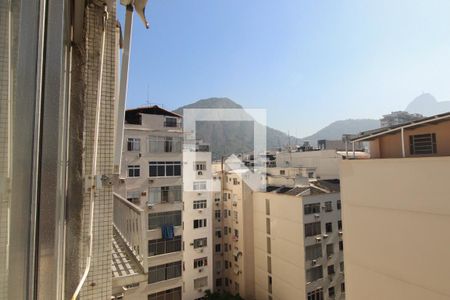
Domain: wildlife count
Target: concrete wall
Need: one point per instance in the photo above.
(396, 216)
(326, 162)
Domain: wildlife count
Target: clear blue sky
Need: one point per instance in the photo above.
(309, 62)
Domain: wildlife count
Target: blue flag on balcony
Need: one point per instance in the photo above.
(167, 232)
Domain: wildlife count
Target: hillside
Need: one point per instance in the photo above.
(335, 130)
(230, 137)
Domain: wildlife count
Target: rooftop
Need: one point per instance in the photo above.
(372, 134)
(315, 187)
(133, 116)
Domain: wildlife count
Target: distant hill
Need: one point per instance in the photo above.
(230, 137)
(335, 130)
(427, 105)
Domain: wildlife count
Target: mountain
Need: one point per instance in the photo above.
(335, 130)
(228, 137)
(427, 105)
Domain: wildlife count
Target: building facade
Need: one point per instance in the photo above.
(167, 179)
(298, 242)
(395, 208)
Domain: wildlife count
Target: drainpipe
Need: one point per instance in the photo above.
(403, 142)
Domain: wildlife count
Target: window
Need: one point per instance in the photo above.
(200, 282)
(199, 223)
(200, 262)
(199, 185)
(160, 246)
(341, 266)
(134, 171)
(156, 220)
(199, 204)
(170, 122)
(343, 287)
(310, 174)
(218, 282)
(314, 274)
(236, 233)
(164, 168)
(315, 295)
(312, 229)
(226, 281)
(235, 215)
(282, 172)
(330, 249)
(329, 227)
(236, 287)
(331, 292)
(269, 283)
(218, 266)
(164, 272)
(225, 230)
(341, 245)
(267, 207)
(134, 196)
(200, 166)
(225, 246)
(217, 213)
(269, 264)
(422, 144)
(164, 144)
(170, 294)
(165, 194)
(225, 214)
(330, 270)
(268, 226)
(338, 203)
(218, 233)
(226, 264)
(225, 196)
(340, 225)
(134, 144)
(235, 181)
(313, 208)
(328, 206)
(269, 245)
(198, 243)
(218, 248)
(313, 252)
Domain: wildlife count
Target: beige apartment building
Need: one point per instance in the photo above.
(396, 212)
(298, 241)
(233, 235)
(162, 211)
(261, 249)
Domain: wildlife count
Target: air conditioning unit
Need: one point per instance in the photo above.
(140, 154)
(318, 239)
(314, 262)
(150, 180)
(200, 270)
(340, 233)
(199, 173)
(199, 290)
(199, 194)
(316, 216)
(330, 256)
(217, 203)
(143, 193)
(199, 210)
(325, 236)
(150, 205)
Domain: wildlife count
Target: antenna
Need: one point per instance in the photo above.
(148, 95)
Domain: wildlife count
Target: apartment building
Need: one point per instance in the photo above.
(233, 235)
(325, 162)
(396, 213)
(298, 241)
(166, 182)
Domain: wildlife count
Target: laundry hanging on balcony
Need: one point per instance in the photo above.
(167, 231)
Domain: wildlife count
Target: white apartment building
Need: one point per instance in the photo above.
(174, 239)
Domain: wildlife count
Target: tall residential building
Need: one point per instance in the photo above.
(396, 213)
(166, 183)
(233, 235)
(298, 241)
(261, 249)
(398, 117)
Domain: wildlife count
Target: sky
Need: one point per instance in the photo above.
(308, 62)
